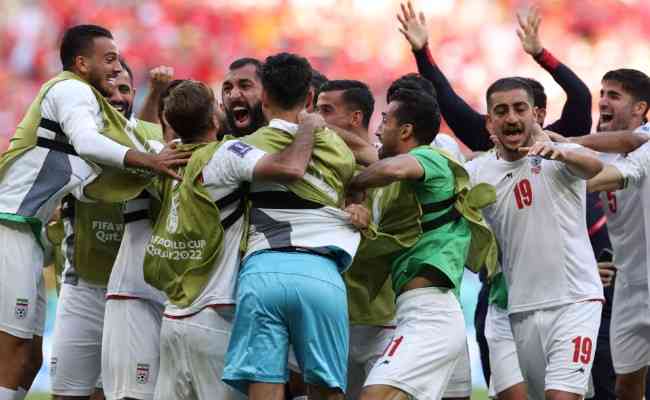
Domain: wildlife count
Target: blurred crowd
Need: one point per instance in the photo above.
(473, 41)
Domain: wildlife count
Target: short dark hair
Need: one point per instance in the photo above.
(189, 109)
(126, 67)
(78, 40)
(507, 84)
(355, 94)
(286, 78)
(634, 82)
(163, 97)
(318, 79)
(242, 62)
(412, 81)
(539, 96)
(419, 109)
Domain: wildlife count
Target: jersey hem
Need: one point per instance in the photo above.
(554, 303)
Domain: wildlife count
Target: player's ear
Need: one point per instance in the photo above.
(640, 108)
(357, 119)
(309, 101)
(405, 132)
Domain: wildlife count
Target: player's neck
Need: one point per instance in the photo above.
(511, 155)
(286, 115)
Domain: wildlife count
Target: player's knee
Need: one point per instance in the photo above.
(318, 392)
(16, 349)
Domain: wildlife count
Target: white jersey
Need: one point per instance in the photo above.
(127, 276)
(224, 174)
(34, 184)
(324, 230)
(539, 219)
(449, 144)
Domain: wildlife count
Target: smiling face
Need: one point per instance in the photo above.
(617, 108)
(122, 96)
(241, 94)
(102, 66)
(511, 117)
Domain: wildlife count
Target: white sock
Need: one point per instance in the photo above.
(305, 397)
(7, 394)
(20, 394)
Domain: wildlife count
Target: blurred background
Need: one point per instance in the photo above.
(473, 41)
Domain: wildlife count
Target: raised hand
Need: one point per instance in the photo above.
(545, 150)
(528, 32)
(414, 27)
(160, 77)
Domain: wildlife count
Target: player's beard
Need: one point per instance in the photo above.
(256, 117)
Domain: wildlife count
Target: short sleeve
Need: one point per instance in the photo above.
(232, 163)
(434, 166)
(633, 167)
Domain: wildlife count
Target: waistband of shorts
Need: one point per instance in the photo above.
(430, 291)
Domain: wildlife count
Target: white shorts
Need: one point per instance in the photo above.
(504, 364)
(630, 326)
(75, 365)
(428, 341)
(131, 348)
(556, 347)
(22, 287)
(192, 352)
(460, 383)
(367, 344)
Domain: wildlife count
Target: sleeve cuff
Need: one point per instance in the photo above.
(547, 60)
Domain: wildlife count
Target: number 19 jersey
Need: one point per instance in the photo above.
(539, 220)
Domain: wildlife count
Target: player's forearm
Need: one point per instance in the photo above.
(149, 111)
(581, 164)
(364, 152)
(621, 142)
(466, 123)
(386, 171)
(576, 113)
(290, 164)
(608, 180)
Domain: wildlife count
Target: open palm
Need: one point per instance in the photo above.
(414, 27)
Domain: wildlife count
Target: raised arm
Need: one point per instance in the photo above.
(621, 142)
(576, 113)
(290, 164)
(159, 78)
(466, 123)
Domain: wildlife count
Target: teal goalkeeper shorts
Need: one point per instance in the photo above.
(289, 299)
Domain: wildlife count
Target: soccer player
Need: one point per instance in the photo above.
(348, 105)
(45, 162)
(133, 312)
(429, 338)
(624, 103)
(241, 93)
(300, 241)
(554, 294)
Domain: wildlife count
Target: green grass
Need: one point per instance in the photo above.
(478, 394)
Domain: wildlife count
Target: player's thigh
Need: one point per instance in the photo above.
(571, 333)
(22, 287)
(131, 348)
(428, 341)
(460, 383)
(174, 380)
(207, 336)
(76, 348)
(630, 327)
(530, 351)
(504, 361)
(367, 344)
(318, 330)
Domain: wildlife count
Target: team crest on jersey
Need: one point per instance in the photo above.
(22, 307)
(142, 374)
(240, 148)
(172, 217)
(535, 164)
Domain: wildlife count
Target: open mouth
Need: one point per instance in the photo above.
(111, 81)
(241, 116)
(121, 107)
(606, 118)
